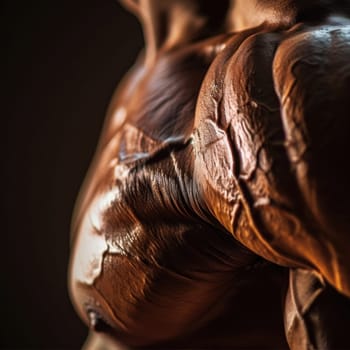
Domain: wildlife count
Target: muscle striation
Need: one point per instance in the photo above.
(215, 175)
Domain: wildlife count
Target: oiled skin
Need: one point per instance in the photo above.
(215, 214)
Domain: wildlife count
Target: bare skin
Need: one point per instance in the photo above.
(210, 217)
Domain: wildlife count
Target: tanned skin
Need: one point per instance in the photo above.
(215, 213)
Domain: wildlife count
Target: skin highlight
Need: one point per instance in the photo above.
(210, 216)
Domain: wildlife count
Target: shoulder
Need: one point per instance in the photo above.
(317, 50)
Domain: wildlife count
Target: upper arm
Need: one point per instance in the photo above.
(312, 79)
(270, 144)
(240, 162)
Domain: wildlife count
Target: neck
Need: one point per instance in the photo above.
(246, 14)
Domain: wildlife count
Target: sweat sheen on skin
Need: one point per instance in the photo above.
(215, 213)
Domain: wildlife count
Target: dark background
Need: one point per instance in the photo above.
(63, 60)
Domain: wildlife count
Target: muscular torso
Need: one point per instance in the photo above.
(194, 207)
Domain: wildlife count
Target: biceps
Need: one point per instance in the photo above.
(241, 166)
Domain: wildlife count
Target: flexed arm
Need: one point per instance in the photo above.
(272, 156)
(270, 141)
